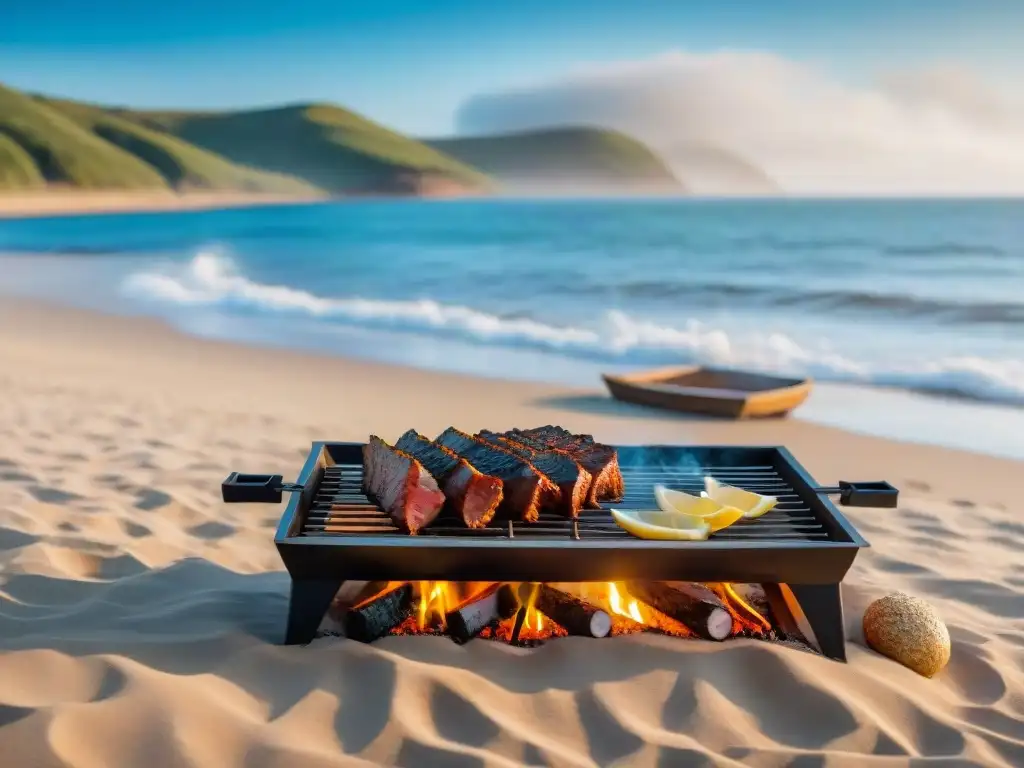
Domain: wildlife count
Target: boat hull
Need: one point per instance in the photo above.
(735, 394)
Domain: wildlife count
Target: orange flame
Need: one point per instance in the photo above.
(434, 604)
(742, 612)
(435, 599)
(631, 609)
(534, 619)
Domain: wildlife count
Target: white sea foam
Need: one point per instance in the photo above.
(212, 280)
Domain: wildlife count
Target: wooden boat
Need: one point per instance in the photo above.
(712, 391)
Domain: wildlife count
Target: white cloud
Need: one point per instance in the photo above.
(934, 131)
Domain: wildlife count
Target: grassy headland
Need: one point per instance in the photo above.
(297, 150)
(588, 158)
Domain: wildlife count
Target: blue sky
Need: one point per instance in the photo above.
(411, 64)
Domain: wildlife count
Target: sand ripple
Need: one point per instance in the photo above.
(139, 619)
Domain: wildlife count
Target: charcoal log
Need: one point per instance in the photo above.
(508, 602)
(693, 605)
(755, 597)
(522, 594)
(375, 617)
(574, 615)
(468, 620)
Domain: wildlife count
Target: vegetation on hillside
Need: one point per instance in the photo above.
(17, 168)
(331, 147)
(65, 153)
(583, 156)
(298, 150)
(183, 166)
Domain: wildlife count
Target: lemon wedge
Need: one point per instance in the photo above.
(662, 526)
(684, 503)
(711, 511)
(752, 504)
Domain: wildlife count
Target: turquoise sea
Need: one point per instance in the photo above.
(912, 310)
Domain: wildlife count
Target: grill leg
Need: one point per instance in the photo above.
(815, 606)
(309, 601)
(822, 605)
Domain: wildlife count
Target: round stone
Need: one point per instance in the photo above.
(908, 630)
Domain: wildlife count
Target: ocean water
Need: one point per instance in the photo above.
(923, 297)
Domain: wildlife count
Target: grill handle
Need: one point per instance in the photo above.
(240, 488)
(876, 493)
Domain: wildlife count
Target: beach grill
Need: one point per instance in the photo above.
(330, 532)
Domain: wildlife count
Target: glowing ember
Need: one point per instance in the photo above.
(536, 626)
(436, 604)
(746, 619)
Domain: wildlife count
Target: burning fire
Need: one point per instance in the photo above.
(733, 600)
(631, 610)
(536, 626)
(436, 599)
(433, 604)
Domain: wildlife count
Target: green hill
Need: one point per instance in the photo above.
(588, 158)
(287, 150)
(62, 152)
(299, 150)
(183, 166)
(331, 147)
(17, 168)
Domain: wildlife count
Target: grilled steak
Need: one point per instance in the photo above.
(573, 481)
(526, 488)
(400, 484)
(600, 460)
(471, 495)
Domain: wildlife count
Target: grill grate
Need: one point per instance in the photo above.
(340, 508)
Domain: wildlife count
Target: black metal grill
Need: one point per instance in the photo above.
(331, 532)
(341, 509)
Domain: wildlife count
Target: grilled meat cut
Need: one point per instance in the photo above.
(526, 488)
(401, 485)
(470, 494)
(573, 480)
(600, 460)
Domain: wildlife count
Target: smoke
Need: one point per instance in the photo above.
(941, 130)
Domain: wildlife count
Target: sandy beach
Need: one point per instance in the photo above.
(140, 617)
(71, 202)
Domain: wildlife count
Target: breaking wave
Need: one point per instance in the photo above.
(616, 337)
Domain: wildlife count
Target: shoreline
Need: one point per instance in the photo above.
(140, 615)
(915, 416)
(31, 325)
(48, 203)
(29, 205)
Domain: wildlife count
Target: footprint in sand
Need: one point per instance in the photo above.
(963, 503)
(918, 485)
